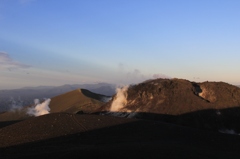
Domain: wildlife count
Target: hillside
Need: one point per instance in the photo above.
(177, 96)
(79, 100)
(76, 101)
(208, 105)
(62, 135)
(25, 96)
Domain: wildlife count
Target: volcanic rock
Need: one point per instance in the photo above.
(209, 105)
(63, 135)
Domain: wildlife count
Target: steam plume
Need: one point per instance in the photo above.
(120, 100)
(40, 108)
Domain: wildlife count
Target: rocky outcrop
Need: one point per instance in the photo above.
(178, 96)
(207, 105)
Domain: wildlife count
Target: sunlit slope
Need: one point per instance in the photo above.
(75, 101)
(178, 96)
(80, 100)
(212, 106)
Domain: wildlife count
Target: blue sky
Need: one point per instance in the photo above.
(48, 42)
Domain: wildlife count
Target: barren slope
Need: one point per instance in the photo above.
(61, 135)
(79, 100)
(20, 114)
(208, 105)
(177, 96)
(54, 125)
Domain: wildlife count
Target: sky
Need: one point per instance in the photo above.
(49, 42)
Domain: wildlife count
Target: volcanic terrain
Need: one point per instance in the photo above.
(208, 105)
(61, 135)
(161, 118)
(80, 100)
(178, 96)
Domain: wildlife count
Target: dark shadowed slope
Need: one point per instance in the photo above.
(86, 136)
(54, 125)
(7, 123)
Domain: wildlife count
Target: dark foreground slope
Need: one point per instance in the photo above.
(92, 136)
(207, 105)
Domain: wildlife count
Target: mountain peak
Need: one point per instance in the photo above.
(178, 96)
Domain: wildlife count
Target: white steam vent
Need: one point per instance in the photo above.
(120, 100)
(39, 108)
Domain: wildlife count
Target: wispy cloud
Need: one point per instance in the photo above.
(130, 76)
(6, 62)
(136, 75)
